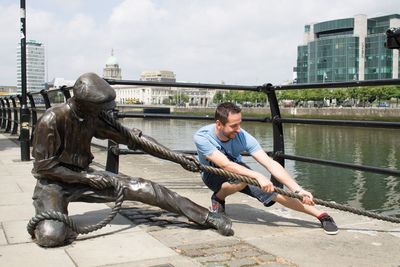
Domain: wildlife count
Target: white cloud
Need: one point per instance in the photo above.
(249, 42)
(9, 39)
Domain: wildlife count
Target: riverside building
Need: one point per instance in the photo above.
(347, 49)
(158, 95)
(153, 95)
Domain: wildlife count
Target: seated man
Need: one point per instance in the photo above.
(220, 144)
(61, 151)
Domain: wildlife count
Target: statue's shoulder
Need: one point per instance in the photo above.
(55, 113)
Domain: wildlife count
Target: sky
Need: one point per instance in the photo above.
(209, 41)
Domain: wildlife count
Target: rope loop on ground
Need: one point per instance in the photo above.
(58, 216)
(196, 166)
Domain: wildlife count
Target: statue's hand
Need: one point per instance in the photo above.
(131, 143)
(99, 180)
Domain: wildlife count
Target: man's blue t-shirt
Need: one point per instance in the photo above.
(207, 142)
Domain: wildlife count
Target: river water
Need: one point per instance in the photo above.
(373, 147)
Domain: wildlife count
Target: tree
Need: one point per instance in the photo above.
(178, 98)
(218, 97)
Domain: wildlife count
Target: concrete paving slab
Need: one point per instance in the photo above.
(3, 240)
(179, 237)
(16, 212)
(33, 256)
(116, 249)
(18, 198)
(350, 247)
(177, 261)
(16, 232)
(26, 185)
(10, 188)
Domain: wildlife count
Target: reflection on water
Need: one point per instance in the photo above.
(373, 147)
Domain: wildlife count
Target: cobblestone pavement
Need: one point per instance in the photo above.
(231, 252)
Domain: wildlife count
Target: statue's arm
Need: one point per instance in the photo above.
(46, 148)
(62, 174)
(107, 132)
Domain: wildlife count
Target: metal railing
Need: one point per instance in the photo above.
(9, 118)
(275, 118)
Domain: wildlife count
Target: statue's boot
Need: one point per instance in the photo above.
(220, 222)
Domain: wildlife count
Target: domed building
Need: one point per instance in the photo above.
(112, 69)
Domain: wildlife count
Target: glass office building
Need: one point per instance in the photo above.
(35, 66)
(346, 50)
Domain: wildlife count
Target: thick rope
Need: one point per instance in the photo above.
(58, 216)
(194, 165)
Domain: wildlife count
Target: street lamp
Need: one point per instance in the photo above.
(24, 111)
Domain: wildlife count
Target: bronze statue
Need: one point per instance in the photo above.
(62, 155)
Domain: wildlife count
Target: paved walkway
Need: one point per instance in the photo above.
(147, 236)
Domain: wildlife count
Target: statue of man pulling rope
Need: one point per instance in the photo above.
(61, 149)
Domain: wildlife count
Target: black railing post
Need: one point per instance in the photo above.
(9, 116)
(46, 99)
(3, 114)
(279, 142)
(112, 164)
(66, 93)
(15, 117)
(34, 113)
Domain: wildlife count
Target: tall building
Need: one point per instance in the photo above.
(112, 69)
(35, 66)
(347, 49)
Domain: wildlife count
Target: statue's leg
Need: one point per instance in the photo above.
(49, 196)
(155, 194)
(145, 191)
(148, 192)
(139, 189)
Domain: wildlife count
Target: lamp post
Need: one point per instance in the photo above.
(24, 113)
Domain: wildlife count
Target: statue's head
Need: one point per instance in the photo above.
(93, 94)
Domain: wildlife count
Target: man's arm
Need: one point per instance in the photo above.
(281, 175)
(219, 159)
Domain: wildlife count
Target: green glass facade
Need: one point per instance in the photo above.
(332, 53)
(378, 59)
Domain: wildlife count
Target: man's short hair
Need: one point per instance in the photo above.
(224, 109)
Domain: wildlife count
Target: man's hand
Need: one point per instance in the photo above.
(265, 184)
(98, 180)
(307, 197)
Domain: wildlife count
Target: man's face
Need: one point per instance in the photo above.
(232, 127)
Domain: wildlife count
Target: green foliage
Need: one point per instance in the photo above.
(218, 97)
(244, 96)
(364, 94)
(176, 99)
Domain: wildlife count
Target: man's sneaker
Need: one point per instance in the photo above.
(328, 224)
(216, 205)
(220, 222)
